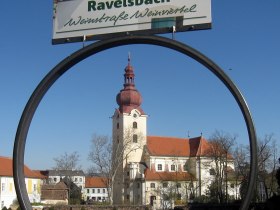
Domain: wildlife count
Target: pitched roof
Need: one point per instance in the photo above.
(151, 175)
(58, 186)
(66, 173)
(171, 146)
(97, 182)
(6, 169)
(167, 146)
(199, 147)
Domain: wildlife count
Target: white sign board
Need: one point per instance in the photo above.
(79, 20)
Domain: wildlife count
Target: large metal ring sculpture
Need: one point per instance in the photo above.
(67, 63)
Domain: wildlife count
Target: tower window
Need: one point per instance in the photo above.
(134, 124)
(135, 138)
(118, 125)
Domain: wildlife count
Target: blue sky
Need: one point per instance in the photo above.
(179, 95)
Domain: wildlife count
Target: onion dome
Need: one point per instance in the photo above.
(129, 98)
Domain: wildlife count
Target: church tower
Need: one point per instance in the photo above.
(129, 138)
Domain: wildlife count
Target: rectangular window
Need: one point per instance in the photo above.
(159, 167)
(135, 138)
(173, 168)
(29, 186)
(179, 196)
(87, 190)
(11, 187)
(98, 190)
(93, 190)
(3, 187)
(153, 185)
(103, 190)
(165, 185)
(81, 179)
(178, 185)
(185, 167)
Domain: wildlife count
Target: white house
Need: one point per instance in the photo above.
(96, 189)
(76, 176)
(8, 195)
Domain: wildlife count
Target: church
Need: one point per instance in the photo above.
(155, 170)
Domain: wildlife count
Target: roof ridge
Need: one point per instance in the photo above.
(10, 158)
(169, 137)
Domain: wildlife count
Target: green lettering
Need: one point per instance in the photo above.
(130, 3)
(101, 6)
(148, 1)
(117, 4)
(138, 2)
(91, 6)
(124, 3)
(109, 5)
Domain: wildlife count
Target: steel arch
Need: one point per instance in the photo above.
(76, 57)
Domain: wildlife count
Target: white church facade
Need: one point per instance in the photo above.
(157, 171)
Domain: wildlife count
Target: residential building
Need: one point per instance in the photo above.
(96, 189)
(8, 195)
(160, 171)
(76, 176)
(55, 193)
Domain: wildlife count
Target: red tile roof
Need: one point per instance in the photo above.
(183, 147)
(151, 175)
(96, 182)
(6, 169)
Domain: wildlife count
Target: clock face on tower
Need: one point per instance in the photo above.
(135, 115)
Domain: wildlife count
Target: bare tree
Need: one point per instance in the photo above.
(242, 168)
(110, 162)
(267, 160)
(67, 161)
(221, 144)
(101, 157)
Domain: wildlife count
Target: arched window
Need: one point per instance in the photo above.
(134, 124)
(135, 138)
